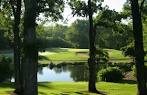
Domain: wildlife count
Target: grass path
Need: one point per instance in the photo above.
(76, 88)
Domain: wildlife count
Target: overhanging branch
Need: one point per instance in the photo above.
(141, 6)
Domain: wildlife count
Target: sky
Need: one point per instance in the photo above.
(113, 4)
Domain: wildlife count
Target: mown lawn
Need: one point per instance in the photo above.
(59, 55)
(69, 54)
(76, 88)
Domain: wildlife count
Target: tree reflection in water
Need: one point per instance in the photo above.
(78, 72)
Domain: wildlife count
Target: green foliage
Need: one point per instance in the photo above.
(102, 56)
(111, 32)
(5, 60)
(6, 21)
(122, 66)
(52, 36)
(4, 42)
(5, 68)
(81, 8)
(51, 9)
(77, 34)
(5, 27)
(129, 50)
(52, 42)
(110, 74)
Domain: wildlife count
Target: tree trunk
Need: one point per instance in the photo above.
(91, 60)
(30, 57)
(17, 62)
(17, 49)
(139, 49)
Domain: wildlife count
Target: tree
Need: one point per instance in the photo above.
(30, 57)
(138, 45)
(113, 33)
(77, 34)
(82, 8)
(5, 25)
(30, 50)
(16, 8)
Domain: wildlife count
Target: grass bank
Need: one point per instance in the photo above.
(76, 88)
(69, 54)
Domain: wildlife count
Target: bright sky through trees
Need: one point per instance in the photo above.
(113, 4)
(68, 17)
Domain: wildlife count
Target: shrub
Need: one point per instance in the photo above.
(5, 68)
(110, 74)
(123, 66)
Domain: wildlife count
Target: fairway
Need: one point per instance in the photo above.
(75, 55)
(71, 55)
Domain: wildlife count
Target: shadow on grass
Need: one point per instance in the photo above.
(56, 50)
(41, 57)
(6, 85)
(88, 93)
(41, 93)
(127, 82)
(45, 85)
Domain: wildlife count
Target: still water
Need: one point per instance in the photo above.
(69, 73)
(62, 73)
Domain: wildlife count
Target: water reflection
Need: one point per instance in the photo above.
(64, 72)
(60, 72)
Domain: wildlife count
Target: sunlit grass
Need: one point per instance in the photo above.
(70, 54)
(77, 88)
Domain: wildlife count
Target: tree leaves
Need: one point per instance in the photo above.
(80, 7)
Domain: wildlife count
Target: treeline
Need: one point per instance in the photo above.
(73, 36)
(76, 36)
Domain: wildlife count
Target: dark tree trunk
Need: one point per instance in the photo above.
(92, 48)
(30, 57)
(139, 48)
(17, 48)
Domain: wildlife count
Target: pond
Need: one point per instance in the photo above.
(62, 73)
(66, 72)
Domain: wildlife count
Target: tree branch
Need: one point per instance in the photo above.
(13, 8)
(141, 6)
(44, 10)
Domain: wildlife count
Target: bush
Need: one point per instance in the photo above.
(5, 68)
(123, 66)
(110, 74)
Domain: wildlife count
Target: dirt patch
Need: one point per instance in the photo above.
(130, 76)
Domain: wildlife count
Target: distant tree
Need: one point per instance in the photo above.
(52, 36)
(77, 34)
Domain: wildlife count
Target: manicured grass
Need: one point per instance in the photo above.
(77, 88)
(64, 54)
(117, 56)
(59, 55)
(69, 54)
